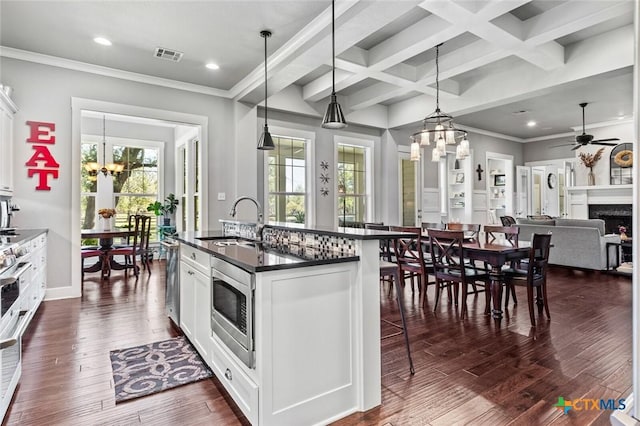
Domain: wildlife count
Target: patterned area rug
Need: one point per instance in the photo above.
(147, 369)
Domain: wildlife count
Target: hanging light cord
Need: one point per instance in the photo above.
(437, 81)
(265, 78)
(104, 142)
(333, 45)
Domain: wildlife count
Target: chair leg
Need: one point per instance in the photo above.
(544, 297)
(513, 293)
(437, 294)
(464, 298)
(530, 300)
(399, 297)
(456, 292)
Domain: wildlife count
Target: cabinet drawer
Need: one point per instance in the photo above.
(241, 388)
(196, 257)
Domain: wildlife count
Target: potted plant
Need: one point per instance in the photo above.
(168, 208)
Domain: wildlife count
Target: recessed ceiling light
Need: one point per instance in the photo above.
(212, 66)
(103, 41)
(620, 117)
(531, 123)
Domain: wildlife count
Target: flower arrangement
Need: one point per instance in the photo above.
(590, 160)
(107, 213)
(622, 229)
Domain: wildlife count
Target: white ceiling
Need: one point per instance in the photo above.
(543, 57)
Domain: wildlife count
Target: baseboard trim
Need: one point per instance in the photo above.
(58, 293)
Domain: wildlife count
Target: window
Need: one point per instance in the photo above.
(354, 184)
(189, 186)
(138, 185)
(88, 186)
(133, 190)
(287, 180)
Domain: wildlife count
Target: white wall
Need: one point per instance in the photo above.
(43, 93)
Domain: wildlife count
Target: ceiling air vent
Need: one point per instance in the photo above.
(168, 54)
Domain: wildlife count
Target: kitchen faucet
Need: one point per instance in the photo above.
(260, 224)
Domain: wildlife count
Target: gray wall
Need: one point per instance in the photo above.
(43, 93)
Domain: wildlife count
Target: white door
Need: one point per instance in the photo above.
(550, 191)
(523, 191)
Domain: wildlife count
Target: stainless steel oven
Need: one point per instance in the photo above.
(14, 279)
(232, 309)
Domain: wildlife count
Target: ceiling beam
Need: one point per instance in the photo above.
(605, 53)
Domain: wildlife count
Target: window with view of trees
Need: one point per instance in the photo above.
(352, 184)
(133, 190)
(287, 171)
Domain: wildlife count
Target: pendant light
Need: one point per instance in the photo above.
(333, 118)
(265, 142)
(438, 127)
(108, 168)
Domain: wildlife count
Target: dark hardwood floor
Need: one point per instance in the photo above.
(467, 372)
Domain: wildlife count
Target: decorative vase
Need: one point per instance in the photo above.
(105, 223)
(166, 221)
(623, 236)
(591, 178)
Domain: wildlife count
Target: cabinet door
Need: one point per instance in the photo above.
(202, 303)
(187, 299)
(6, 148)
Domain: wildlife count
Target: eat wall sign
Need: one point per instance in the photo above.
(42, 164)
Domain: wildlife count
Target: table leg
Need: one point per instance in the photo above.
(496, 291)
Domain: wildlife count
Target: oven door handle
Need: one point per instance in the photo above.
(16, 275)
(20, 328)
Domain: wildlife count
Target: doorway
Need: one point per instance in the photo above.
(408, 193)
(124, 118)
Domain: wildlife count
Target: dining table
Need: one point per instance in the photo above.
(496, 254)
(106, 263)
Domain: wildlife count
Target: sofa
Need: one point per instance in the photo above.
(578, 243)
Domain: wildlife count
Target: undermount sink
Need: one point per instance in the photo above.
(231, 242)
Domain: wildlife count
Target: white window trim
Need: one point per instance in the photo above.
(309, 199)
(369, 145)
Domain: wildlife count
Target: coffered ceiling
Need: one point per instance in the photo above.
(502, 63)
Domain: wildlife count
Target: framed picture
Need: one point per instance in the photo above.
(499, 180)
(460, 178)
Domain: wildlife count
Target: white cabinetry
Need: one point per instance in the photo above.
(499, 185)
(195, 298)
(7, 110)
(459, 189)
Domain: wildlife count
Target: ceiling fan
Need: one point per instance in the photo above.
(585, 139)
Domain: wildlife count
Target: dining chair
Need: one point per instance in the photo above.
(509, 235)
(140, 243)
(507, 220)
(410, 257)
(535, 275)
(470, 230)
(86, 253)
(449, 266)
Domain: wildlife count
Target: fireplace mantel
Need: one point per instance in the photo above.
(579, 197)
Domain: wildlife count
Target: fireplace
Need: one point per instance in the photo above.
(613, 215)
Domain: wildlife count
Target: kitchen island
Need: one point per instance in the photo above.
(314, 328)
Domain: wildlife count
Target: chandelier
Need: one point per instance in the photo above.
(109, 168)
(438, 127)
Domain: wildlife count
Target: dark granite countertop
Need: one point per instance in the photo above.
(259, 257)
(355, 233)
(21, 235)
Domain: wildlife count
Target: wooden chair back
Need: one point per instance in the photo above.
(507, 220)
(408, 250)
(538, 256)
(447, 254)
(470, 230)
(509, 233)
